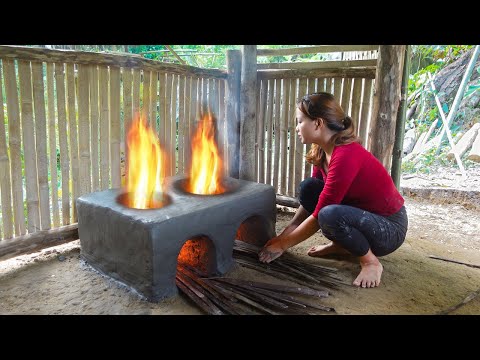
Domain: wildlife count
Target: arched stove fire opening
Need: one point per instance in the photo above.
(199, 253)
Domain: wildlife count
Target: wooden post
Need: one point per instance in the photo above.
(248, 116)
(400, 123)
(386, 102)
(234, 59)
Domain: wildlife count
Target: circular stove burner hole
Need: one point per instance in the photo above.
(158, 201)
(229, 184)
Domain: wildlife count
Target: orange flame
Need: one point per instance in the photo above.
(146, 166)
(206, 171)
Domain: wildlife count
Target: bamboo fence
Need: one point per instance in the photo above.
(68, 113)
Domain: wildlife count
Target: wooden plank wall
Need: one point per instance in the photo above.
(67, 125)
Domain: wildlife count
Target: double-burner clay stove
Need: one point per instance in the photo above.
(140, 247)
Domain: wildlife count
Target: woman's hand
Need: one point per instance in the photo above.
(272, 250)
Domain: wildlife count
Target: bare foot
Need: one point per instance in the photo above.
(321, 250)
(370, 274)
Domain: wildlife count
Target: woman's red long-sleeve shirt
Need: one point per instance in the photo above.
(356, 178)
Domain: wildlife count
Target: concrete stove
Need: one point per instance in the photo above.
(140, 247)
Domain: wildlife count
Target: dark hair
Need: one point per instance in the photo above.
(322, 105)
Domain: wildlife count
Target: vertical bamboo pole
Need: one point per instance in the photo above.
(261, 131)
(283, 138)
(204, 103)
(52, 145)
(337, 89)
(181, 123)
(104, 128)
(356, 102)
(14, 144)
(173, 134)
(127, 102)
(115, 126)
(146, 97)
(186, 122)
(168, 121)
(293, 137)
(5, 184)
(307, 166)
(347, 91)
(328, 85)
(276, 136)
(222, 123)
(31, 175)
(85, 184)
(154, 99)
(400, 123)
(192, 118)
(72, 132)
(136, 92)
(161, 109)
(94, 115)
(366, 101)
(41, 141)
(210, 103)
(299, 147)
(269, 125)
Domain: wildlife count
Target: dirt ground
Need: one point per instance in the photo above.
(58, 281)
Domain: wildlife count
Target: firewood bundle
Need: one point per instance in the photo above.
(222, 295)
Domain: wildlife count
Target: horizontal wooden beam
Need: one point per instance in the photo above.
(37, 241)
(287, 201)
(367, 73)
(315, 50)
(92, 58)
(319, 65)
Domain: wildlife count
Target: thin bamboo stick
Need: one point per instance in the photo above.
(41, 142)
(115, 126)
(52, 145)
(28, 126)
(104, 124)
(5, 184)
(14, 144)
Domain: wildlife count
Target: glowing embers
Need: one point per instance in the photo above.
(206, 168)
(146, 164)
